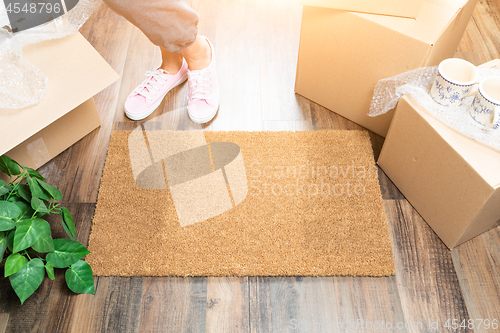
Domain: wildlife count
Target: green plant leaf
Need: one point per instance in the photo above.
(26, 210)
(4, 189)
(38, 205)
(51, 190)
(9, 212)
(67, 223)
(36, 190)
(50, 270)
(2, 183)
(33, 173)
(9, 166)
(66, 253)
(24, 192)
(28, 279)
(6, 225)
(79, 278)
(10, 240)
(4, 240)
(14, 263)
(14, 198)
(45, 243)
(26, 234)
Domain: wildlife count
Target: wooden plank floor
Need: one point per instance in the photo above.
(256, 43)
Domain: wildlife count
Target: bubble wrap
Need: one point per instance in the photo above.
(418, 83)
(21, 83)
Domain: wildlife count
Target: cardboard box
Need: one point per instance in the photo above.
(76, 72)
(342, 55)
(406, 8)
(450, 179)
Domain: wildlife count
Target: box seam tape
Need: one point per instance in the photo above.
(38, 152)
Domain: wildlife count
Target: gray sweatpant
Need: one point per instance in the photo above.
(171, 24)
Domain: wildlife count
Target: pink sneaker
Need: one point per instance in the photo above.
(149, 94)
(203, 100)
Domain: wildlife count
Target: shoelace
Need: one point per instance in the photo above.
(147, 87)
(198, 89)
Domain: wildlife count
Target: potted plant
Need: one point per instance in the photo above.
(27, 249)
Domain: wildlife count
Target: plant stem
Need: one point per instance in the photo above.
(22, 175)
(26, 253)
(36, 254)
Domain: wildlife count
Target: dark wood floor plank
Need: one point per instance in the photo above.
(8, 298)
(339, 303)
(477, 263)
(4, 319)
(387, 187)
(375, 303)
(174, 305)
(425, 275)
(324, 119)
(261, 312)
(285, 301)
(49, 309)
(323, 304)
(227, 305)
(116, 306)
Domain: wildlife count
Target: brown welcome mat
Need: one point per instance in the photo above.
(195, 203)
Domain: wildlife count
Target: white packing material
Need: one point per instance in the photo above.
(21, 83)
(418, 83)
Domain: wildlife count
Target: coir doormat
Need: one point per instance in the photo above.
(195, 203)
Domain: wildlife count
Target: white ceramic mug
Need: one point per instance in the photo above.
(455, 82)
(485, 110)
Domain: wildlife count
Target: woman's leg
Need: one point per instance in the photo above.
(173, 26)
(170, 24)
(203, 98)
(171, 61)
(198, 56)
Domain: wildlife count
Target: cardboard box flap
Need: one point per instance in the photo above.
(75, 71)
(434, 18)
(402, 8)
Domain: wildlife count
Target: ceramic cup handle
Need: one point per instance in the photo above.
(496, 116)
(474, 90)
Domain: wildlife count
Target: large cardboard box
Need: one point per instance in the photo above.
(450, 179)
(76, 72)
(342, 55)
